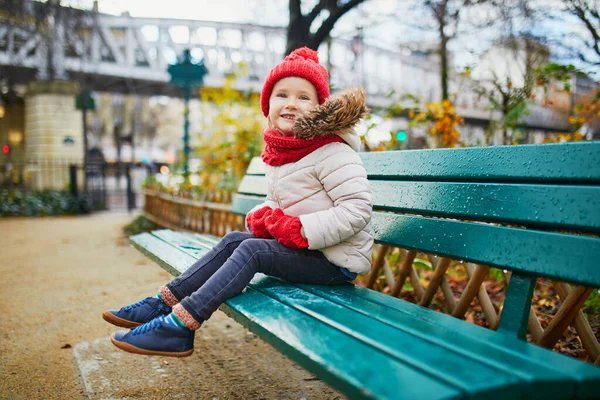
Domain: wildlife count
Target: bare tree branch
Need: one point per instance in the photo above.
(314, 13)
(299, 28)
(295, 7)
(336, 13)
(590, 17)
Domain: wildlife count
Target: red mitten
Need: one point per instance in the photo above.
(286, 229)
(256, 222)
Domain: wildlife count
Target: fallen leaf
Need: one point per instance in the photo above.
(66, 346)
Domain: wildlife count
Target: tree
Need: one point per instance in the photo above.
(504, 94)
(588, 13)
(445, 16)
(448, 18)
(299, 29)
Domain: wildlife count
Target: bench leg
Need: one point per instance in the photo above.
(516, 306)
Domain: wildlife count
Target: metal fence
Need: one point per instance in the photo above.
(115, 186)
(62, 175)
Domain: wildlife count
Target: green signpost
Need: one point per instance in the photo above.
(186, 75)
(84, 101)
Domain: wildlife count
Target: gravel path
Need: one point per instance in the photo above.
(59, 274)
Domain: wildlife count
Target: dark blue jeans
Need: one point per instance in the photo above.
(228, 268)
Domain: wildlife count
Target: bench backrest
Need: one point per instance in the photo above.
(530, 209)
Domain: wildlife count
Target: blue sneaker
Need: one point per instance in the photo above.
(138, 313)
(156, 338)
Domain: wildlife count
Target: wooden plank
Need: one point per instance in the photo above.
(471, 290)
(565, 315)
(381, 252)
(587, 377)
(431, 357)
(563, 257)
(515, 311)
(546, 206)
(563, 162)
(403, 272)
(484, 298)
(581, 324)
(436, 280)
(539, 380)
(445, 286)
(534, 326)
(242, 204)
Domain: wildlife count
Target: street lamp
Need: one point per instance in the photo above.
(186, 75)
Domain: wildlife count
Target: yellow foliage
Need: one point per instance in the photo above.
(565, 137)
(443, 120)
(234, 137)
(585, 112)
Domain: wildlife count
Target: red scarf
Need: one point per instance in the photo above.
(280, 150)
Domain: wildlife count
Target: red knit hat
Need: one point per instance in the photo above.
(303, 63)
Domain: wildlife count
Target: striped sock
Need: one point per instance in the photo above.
(172, 320)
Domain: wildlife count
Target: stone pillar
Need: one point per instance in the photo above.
(53, 133)
(12, 134)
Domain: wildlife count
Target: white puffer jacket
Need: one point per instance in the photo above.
(328, 190)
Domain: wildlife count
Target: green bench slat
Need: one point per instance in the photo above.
(241, 204)
(429, 357)
(587, 376)
(563, 162)
(564, 257)
(293, 329)
(536, 205)
(549, 381)
(256, 167)
(332, 355)
(253, 184)
(205, 238)
(546, 206)
(186, 243)
(162, 253)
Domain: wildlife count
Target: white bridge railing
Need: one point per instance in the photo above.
(139, 49)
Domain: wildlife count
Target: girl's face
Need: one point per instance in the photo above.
(291, 98)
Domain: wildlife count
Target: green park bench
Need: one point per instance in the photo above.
(532, 209)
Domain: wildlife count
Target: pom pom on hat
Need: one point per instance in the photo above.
(304, 52)
(302, 63)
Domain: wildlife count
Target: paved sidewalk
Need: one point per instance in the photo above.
(59, 274)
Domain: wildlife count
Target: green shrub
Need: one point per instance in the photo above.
(139, 225)
(39, 204)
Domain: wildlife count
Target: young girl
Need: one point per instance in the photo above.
(314, 226)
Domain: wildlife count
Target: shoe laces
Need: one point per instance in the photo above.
(134, 305)
(148, 326)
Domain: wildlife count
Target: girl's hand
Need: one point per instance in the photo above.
(286, 229)
(256, 222)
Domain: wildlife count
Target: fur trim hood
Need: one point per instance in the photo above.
(338, 115)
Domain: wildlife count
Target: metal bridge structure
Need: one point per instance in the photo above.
(130, 55)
